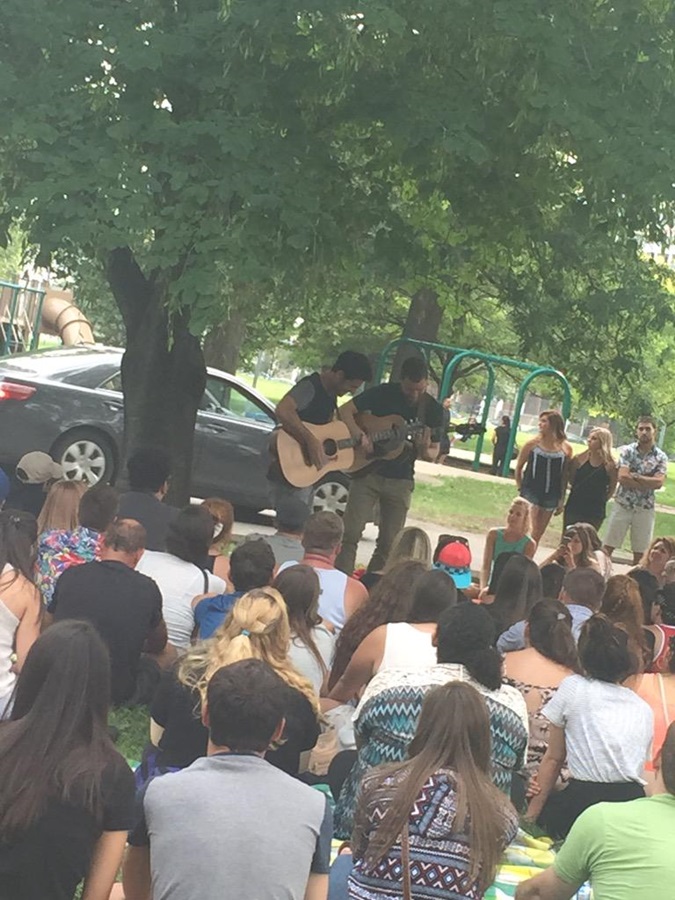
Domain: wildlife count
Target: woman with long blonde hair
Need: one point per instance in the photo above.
(411, 544)
(593, 475)
(60, 510)
(514, 538)
(256, 628)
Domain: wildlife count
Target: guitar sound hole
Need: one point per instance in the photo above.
(330, 448)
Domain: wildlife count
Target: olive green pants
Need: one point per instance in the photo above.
(393, 496)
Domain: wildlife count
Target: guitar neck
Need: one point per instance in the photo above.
(385, 435)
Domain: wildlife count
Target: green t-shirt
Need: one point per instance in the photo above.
(625, 849)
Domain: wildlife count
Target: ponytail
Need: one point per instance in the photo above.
(550, 630)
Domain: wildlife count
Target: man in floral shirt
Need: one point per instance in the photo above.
(642, 471)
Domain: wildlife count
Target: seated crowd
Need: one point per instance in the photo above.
(420, 716)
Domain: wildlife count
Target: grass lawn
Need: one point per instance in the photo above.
(467, 504)
(271, 388)
(473, 505)
(134, 731)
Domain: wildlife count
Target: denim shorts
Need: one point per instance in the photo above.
(548, 501)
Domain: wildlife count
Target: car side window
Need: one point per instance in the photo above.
(225, 399)
(114, 383)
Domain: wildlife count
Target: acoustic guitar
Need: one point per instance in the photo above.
(389, 435)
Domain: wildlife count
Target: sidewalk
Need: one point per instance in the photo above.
(476, 542)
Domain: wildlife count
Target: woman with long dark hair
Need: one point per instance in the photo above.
(537, 671)
(438, 811)
(387, 716)
(518, 589)
(541, 470)
(312, 641)
(389, 601)
(180, 573)
(20, 604)
(400, 645)
(66, 794)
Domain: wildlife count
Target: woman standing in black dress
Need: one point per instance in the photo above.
(593, 478)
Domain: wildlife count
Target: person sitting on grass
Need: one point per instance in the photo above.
(256, 628)
(251, 566)
(514, 538)
(582, 591)
(124, 606)
(235, 805)
(438, 807)
(60, 549)
(400, 645)
(179, 573)
(218, 560)
(312, 639)
(602, 728)
(623, 849)
(67, 796)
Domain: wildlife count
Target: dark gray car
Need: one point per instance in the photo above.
(68, 402)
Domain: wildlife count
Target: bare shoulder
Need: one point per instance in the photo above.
(567, 449)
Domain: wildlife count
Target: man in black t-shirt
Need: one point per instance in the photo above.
(149, 471)
(124, 606)
(314, 400)
(389, 482)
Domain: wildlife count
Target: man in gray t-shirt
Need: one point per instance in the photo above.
(286, 544)
(231, 825)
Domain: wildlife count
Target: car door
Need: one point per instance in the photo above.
(231, 444)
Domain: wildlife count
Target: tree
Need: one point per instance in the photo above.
(200, 150)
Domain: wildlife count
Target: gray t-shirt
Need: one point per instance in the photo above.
(285, 548)
(232, 825)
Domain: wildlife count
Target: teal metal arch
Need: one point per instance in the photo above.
(489, 360)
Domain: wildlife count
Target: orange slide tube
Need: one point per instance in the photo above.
(60, 316)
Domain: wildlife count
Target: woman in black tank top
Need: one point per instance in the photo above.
(593, 478)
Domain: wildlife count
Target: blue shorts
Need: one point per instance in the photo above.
(548, 501)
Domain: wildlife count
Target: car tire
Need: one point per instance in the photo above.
(330, 494)
(85, 454)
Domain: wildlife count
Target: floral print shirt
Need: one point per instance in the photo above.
(58, 550)
(654, 462)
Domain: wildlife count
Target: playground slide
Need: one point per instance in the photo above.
(61, 317)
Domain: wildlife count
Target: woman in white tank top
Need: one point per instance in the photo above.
(20, 606)
(400, 645)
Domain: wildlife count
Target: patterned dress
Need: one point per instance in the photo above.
(439, 844)
(386, 719)
(58, 550)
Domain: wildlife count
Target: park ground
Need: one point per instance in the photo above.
(469, 503)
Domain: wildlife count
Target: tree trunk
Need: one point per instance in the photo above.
(163, 370)
(422, 324)
(222, 345)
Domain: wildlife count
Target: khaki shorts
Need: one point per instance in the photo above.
(640, 522)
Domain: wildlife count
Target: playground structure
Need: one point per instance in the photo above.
(26, 311)
(455, 356)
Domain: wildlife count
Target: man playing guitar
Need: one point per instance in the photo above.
(314, 400)
(390, 481)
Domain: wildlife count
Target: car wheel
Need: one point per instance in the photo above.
(331, 494)
(85, 454)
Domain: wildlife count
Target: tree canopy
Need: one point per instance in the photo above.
(270, 160)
